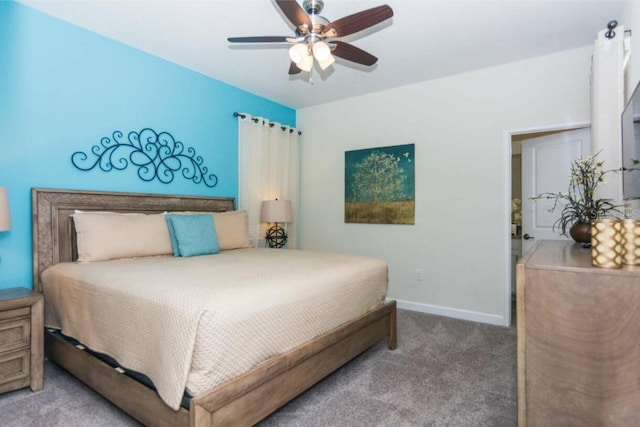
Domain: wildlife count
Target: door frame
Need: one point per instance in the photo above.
(507, 137)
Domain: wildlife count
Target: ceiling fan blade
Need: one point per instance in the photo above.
(293, 69)
(263, 39)
(294, 12)
(354, 54)
(358, 21)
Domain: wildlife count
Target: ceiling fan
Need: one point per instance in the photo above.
(317, 38)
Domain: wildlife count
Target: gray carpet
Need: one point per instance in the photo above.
(445, 372)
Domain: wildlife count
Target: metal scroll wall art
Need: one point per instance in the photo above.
(156, 155)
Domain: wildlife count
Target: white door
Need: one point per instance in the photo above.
(546, 163)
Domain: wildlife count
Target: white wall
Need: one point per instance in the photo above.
(458, 124)
(631, 21)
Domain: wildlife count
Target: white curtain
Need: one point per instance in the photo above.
(267, 170)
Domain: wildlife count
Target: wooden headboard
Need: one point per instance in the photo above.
(53, 231)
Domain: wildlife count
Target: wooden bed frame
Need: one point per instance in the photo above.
(244, 400)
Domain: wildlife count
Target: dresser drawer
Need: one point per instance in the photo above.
(14, 334)
(14, 366)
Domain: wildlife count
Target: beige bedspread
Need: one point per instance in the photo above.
(196, 322)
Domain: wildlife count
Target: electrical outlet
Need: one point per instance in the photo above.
(419, 275)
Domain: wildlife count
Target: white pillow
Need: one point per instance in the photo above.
(231, 228)
(110, 235)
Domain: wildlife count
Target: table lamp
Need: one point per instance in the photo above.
(5, 220)
(276, 211)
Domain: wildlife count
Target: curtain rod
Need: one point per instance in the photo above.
(255, 120)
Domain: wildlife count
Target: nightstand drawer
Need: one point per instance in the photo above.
(14, 334)
(21, 339)
(14, 366)
(15, 313)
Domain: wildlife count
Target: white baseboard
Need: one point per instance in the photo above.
(475, 316)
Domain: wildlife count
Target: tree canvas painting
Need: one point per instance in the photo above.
(379, 185)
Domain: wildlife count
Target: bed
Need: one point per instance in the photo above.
(241, 400)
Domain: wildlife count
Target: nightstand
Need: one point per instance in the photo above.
(21, 339)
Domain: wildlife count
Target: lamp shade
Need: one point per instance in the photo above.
(321, 51)
(5, 220)
(306, 64)
(326, 62)
(276, 211)
(298, 52)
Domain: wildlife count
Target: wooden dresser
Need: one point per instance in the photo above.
(578, 339)
(21, 339)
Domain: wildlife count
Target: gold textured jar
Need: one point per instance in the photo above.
(606, 243)
(630, 241)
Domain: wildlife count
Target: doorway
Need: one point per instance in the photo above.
(553, 140)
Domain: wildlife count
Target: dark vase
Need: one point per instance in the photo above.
(581, 232)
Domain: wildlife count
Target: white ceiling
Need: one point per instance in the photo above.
(426, 39)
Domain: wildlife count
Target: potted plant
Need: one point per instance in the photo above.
(579, 204)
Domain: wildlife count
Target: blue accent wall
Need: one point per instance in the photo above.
(63, 88)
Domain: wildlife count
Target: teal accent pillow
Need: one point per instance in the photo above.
(172, 235)
(193, 234)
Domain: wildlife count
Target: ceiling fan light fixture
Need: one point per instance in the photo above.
(306, 64)
(321, 51)
(311, 30)
(298, 52)
(325, 63)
